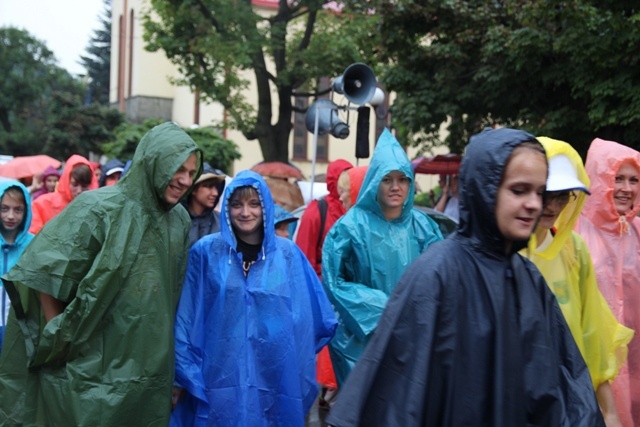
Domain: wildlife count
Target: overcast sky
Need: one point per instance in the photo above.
(65, 26)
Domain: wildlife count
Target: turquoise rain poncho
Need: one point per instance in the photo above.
(116, 257)
(246, 346)
(364, 255)
(12, 251)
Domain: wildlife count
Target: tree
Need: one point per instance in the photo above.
(27, 68)
(216, 44)
(217, 151)
(97, 62)
(41, 104)
(566, 69)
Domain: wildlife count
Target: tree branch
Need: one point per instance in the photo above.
(209, 16)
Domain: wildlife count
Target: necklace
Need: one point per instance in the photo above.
(246, 265)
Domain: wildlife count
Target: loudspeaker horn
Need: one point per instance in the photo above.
(357, 83)
(328, 120)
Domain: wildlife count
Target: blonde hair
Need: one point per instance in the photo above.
(344, 181)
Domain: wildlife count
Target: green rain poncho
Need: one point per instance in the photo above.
(116, 257)
(364, 255)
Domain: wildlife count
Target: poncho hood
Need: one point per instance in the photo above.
(604, 158)
(23, 235)
(387, 157)
(251, 179)
(160, 153)
(568, 218)
(356, 179)
(480, 176)
(333, 198)
(64, 184)
(50, 171)
(109, 167)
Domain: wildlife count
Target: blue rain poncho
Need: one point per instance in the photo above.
(364, 255)
(246, 346)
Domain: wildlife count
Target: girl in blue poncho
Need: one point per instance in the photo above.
(369, 248)
(15, 219)
(251, 318)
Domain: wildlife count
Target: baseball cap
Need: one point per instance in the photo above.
(563, 175)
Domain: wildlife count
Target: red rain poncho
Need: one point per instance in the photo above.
(49, 205)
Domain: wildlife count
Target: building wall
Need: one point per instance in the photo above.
(144, 79)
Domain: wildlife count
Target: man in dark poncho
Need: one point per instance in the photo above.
(472, 335)
(90, 335)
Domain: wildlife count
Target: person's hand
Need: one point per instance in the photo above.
(36, 183)
(612, 420)
(176, 395)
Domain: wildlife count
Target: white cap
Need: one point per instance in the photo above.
(563, 176)
(114, 170)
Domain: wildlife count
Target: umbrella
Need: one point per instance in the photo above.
(286, 194)
(27, 166)
(278, 170)
(444, 164)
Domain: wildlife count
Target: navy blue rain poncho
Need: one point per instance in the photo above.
(472, 335)
(245, 347)
(364, 255)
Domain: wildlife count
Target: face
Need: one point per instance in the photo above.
(519, 198)
(206, 194)
(112, 179)
(453, 185)
(625, 188)
(181, 181)
(11, 213)
(393, 190)
(345, 198)
(282, 230)
(97, 172)
(554, 204)
(76, 188)
(246, 216)
(50, 183)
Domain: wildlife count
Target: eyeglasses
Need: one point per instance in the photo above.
(562, 197)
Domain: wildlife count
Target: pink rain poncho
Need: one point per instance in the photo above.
(614, 242)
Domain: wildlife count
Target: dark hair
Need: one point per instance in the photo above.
(82, 174)
(531, 145)
(16, 194)
(244, 192)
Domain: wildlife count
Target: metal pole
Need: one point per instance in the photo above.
(315, 152)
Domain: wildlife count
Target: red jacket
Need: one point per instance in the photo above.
(49, 205)
(309, 228)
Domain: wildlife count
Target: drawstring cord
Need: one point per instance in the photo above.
(624, 225)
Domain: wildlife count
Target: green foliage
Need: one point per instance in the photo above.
(567, 69)
(41, 105)
(217, 151)
(97, 62)
(218, 45)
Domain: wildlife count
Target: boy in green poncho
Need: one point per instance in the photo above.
(89, 340)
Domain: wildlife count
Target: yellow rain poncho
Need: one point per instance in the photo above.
(566, 266)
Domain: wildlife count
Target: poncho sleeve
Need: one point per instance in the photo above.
(190, 331)
(604, 340)
(358, 305)
(324, 320)
(57, 262)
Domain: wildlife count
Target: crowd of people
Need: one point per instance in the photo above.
(172, 295)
